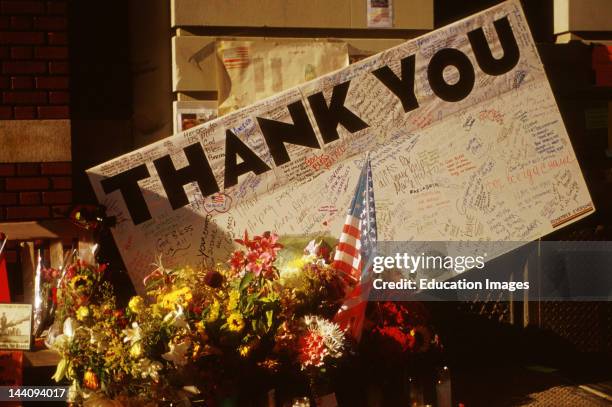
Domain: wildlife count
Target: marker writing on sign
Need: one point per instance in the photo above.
(240, 159)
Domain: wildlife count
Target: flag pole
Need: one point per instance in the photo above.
(5, 239)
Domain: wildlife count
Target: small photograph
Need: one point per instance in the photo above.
(379, 3)
(15, 326)
(189, 120)
(189, 114)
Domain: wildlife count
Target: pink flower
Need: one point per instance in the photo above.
(268, 243)
(254, 267)
(260, 256)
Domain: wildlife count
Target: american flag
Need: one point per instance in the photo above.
(355, 251)
(218, 198)
(236, 57)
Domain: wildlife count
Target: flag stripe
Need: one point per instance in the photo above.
(348, 249)
(351, 231)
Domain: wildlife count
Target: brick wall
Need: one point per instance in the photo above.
(31, 191)
(34, 85)
(33, 55)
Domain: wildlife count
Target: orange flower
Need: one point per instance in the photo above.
(91, 380)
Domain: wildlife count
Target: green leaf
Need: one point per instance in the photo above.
(269, 298)
(269, 316)
(248, 277)
(250, 304)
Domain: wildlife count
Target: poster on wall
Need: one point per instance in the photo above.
(464, 136)
(380, 13)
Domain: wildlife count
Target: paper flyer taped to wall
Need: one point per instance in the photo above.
(253, 70)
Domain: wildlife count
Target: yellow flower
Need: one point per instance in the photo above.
(298, 263)
(180, 296)
(269, 364)
(82, 313)
(136, 350)
(244, 350)
(213, 312)
(136, 304)
(157, 311)
(234, 297)
(235, 322)
(78, 282)
(196, 351)
(201, 329)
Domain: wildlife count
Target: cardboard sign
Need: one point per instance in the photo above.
(464, 135)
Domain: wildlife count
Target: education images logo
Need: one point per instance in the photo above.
(449, 266)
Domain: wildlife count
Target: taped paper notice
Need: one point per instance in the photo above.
(253, 70)
(380, 13)
(465, 140)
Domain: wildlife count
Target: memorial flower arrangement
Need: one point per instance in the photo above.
(202, 334)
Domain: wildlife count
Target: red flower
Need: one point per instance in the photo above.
(312, 349)
(237, 260)
(213, 279)
(70, 272)
(245, 242)
(120, 317)
(405, 341)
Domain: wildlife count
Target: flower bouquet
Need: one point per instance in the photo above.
(230, 332)
(200, 334)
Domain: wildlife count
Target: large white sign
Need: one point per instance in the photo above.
(465, 138)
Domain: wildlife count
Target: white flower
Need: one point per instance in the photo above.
(192, 389)
(63, 340)
(132, 335)
(177, 352)
(60, 370)
(97, 338)
(333, 336)
(176, 318)
(73, 392)
(149, 369)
